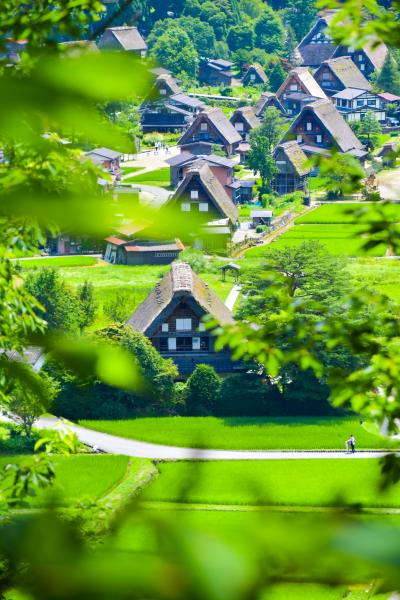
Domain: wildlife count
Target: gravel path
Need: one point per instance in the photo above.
(118, 445)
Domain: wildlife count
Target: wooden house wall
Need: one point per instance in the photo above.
(328, 81)
(292, 80)
(245, 132)
(309, 137)
(195, 184)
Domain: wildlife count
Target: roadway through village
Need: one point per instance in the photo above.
(117, 445)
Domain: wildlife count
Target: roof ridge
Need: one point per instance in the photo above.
(182, 277)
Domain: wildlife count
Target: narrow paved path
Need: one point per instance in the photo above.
(232, 297)
(118, 445)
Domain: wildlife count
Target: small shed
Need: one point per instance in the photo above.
(261, 217)
(232, 268)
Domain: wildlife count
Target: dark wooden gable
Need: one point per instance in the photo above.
(199, 133)
(203, 196)
(309, 135)
(327, 79)
(290, 82)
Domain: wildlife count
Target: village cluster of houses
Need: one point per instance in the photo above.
(330, 88)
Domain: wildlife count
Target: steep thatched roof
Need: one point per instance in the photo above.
(312, 54)
(295, 155)
(257, 70)
(128, 38)
(306, 82)
(376, 53)
(247, 112)
(347, 72)
(179, 282)
(216, 118)
(334, 123)
(211, 185)
(265, 100)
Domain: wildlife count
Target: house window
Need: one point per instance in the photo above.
(185, 207)
(203, 127)
(293, 87)
(308, 126)
(281, 162)
(350, 49)
(202, 327)
(183, 324)
(194, 194)
(203, 207)
(184, 344)
(171, 344)
(360, 58)
(299, 138)
(371, 102)
(362, 67)
(319, 139)
(252, 77)
(196, 343)
(325, 75)
(163, 92)
(239, 126)
(164, 327)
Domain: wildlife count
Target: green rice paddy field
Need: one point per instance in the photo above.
(334, 225)
(295, 482)
(244, 531)
(297, 433)
(79, 477)
(330, 214)
(340, 240)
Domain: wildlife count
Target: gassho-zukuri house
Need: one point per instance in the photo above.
(172, 318)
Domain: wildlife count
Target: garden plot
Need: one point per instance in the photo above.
(239, 433)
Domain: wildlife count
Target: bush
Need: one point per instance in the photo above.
(13, 440)
(194, 258)
(247, 395)
(91, 399)
(202, 390)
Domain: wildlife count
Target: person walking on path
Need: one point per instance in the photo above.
(352, 444)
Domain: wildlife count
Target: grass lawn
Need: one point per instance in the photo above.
(301, 433)
(296, 482)
(330, 214)
(59, 262)
(127, 170)
(79, 477)
(159, 177)
(340, 240)
(380, 274)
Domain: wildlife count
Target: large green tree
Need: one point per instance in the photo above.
(175, 51)
(270, 32)
(240, 37)
(263, 140)
(59, 305)
(300, 15)
(388, 78)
